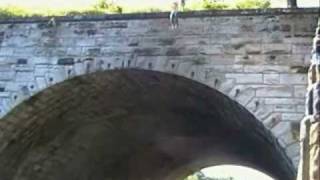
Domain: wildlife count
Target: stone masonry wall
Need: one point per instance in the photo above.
(258, 58)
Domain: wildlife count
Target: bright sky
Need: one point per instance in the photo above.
(145, 3)
(238, 172)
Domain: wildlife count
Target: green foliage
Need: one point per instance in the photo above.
(108, 6)
(12, 11)
(214, 4)
(85, 12)
(252, 4)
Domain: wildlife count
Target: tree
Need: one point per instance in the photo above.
(292, 3)
(108, 5)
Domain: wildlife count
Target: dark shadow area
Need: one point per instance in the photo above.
(132, 125)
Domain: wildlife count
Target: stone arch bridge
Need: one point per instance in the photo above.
(258, 58)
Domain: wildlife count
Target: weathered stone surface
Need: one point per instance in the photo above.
(24, 76)
(292, 116)
(285, 108)
(293, 150)
(276, 48)
(300, 91)
(7, 75)
(295, 101)
(281, 128)
(65, 61)
(271, 78)
(132, 124)
(257, 59)
(274, 91)
(246, 78)
(293, 79)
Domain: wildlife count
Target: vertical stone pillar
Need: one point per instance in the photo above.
(309, 168)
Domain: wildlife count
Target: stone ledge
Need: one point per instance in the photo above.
(134, 16)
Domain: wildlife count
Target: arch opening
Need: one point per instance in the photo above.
(228, 172)
(135, 125)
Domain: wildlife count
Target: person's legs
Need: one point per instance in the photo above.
(176, 21)
(172, 19)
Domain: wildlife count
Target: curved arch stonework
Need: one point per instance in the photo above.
(133, 124)
(259, 59)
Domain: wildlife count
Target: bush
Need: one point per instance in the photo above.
(108, 6)
(213, 4)
(252, 4)
(84, 13)
(12, 11)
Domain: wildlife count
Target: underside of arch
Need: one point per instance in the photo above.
(135, 125)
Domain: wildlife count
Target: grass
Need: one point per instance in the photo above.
(107, 7)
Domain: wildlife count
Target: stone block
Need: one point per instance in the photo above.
(271, 78)
(300, 91)
(296, 117)
(41, 70)
(284, 108)
(293, 79)
(281, 128)
(254, 104)
(225, 86)
(253, 48)
(41, 83)
(5, 94)
(223, 69)
(246, 78)
(287, 138)
(242, 94)
(212, 49)
(301, 108)
(113, 25)
(24, 76)
(274, 91)
(94, 51)
(74, 51)
(267, 69)
(263, 112)
(85, 42)
(41, 61)
(295, 161)
(276, 48)
(292, 101)
(7, 75)
(24, 51)
(5, 51)
(293, 150)
(23, 68)
(301, 49)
